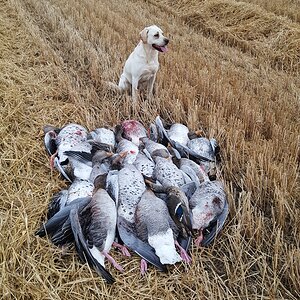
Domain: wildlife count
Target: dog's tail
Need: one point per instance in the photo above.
(112, 86)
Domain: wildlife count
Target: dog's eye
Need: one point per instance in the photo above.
(156, 35)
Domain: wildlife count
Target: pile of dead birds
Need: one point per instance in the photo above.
(150, 191)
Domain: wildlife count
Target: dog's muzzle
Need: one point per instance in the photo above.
(161, 48)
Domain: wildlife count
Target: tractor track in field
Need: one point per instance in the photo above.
(59, 37)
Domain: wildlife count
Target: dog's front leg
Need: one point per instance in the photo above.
(123, 85)
(134, 86)
(150, 86)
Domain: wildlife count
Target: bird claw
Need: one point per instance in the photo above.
(125, 252)
(183, 254)
(52, 158)
(144, 267)
(113, 262)
(185, 257)
(122, 248)
(199, 239)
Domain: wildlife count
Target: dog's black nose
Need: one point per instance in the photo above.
(166, 41)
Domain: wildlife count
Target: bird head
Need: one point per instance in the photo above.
(100, 156)
(179, 210)
(100, 182)
(164, 153)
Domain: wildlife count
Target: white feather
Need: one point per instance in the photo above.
(164, 247)
(97, 255)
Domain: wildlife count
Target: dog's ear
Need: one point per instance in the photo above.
(144, 35)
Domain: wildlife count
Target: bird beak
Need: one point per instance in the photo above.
(187, 224)
(199, 132)
(123, 154)
(109, 154)
(119, 157)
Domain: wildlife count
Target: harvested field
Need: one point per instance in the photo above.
(232, 69)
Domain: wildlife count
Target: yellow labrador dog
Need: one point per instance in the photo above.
(142, 64)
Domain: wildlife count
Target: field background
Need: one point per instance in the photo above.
(232, 69)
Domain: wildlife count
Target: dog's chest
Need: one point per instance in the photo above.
(149, 71)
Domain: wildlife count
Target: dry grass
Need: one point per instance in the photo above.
(251, 29)
(287, 8)
(231, 69)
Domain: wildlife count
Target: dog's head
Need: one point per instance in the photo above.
(153, 36)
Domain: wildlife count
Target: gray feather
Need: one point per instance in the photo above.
(141, 248)
(83, 249)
